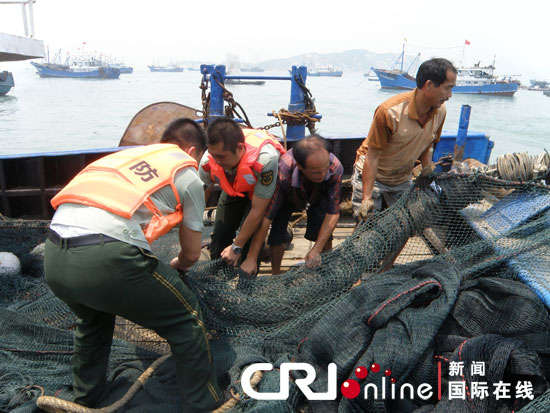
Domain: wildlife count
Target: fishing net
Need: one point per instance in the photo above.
(470, 284)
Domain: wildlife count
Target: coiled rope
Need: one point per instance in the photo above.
(522, 166)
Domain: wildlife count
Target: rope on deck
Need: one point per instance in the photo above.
(53, 404)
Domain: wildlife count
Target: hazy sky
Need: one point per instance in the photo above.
(169, 30)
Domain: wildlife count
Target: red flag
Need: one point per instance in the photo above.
(467, 42)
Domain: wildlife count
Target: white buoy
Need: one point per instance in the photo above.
(9, 264)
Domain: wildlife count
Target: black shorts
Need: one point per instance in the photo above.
(315, 216)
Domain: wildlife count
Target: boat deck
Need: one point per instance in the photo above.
(415, 249)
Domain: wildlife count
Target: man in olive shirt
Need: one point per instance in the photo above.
(244, 162)
(101, 265)
(404, 129)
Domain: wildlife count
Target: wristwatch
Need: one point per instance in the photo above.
(236, 249)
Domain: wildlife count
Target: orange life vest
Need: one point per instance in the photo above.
(245, 180)
(123, 181)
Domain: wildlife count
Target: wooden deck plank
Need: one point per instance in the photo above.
(415, 249)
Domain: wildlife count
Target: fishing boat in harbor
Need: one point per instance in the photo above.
(476, 79)
(124, 69)
(539, 85)
(101, 61)
(173, 68)
(371, 76)
(470, 80)
(6, 82)
(328, 71)
(76, 72)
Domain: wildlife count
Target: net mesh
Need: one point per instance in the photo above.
(472, 264)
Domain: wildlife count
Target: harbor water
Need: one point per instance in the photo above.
(43, 115)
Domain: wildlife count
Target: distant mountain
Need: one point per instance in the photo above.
(358, 60)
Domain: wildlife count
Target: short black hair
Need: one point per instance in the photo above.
(227, 131)
(308, 146)
(185, 132)
(434, 70)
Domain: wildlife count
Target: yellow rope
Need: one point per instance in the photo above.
(52, 404)
(235, 398)
(278, 115)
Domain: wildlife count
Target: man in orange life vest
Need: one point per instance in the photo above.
(98, 259)
(244, 162)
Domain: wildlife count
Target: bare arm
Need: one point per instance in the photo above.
(370, 170)
(327, 227)
(313, 257)
(426, 157)
(252, 220)
(258, 240)
(249, 227)
(250, 264)
(190, 243)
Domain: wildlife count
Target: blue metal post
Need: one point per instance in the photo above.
(295, 132)
(462, 131)
(216, 92)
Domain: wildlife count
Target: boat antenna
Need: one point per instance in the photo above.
(413, 62)
(403, 54)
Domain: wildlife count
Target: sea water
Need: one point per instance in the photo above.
(50, 114)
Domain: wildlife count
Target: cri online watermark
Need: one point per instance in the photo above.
(457, 389)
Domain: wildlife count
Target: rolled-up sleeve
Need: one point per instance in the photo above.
(267, 179)
(381, 129)
(205, 176)
(191, 191)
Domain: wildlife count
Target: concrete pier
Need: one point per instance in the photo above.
(14, 47)
(19, 48)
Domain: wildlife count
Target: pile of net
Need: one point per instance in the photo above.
(470, 287)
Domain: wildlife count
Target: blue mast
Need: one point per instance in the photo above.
(297, 81)
(295, 132)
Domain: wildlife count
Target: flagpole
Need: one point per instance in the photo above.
(466, 43)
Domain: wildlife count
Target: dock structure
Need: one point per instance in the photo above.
(13, 47)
